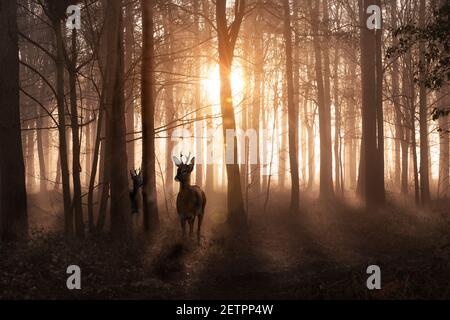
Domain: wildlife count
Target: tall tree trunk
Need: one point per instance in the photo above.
(283, 132)
(63, 159)
(309, 114)
(199, 125)
(444, 145)
(94, 166)
(397, 106)
(380, 113)
(40, 148)
(324, 103)
(297, 47)
(397, 143)
(406, 132)
(257, 40)
(370, 163)
(412, 123)
(423, 117)
(116, 133)
(151, 216)
(169, 100)
(209, 123)
(88, 146)
(129, 82)
(30, 113)
(245, 111)
(337, 124)
(13, 198)
(29, 160)
(104, 172)
(351, 128)
(292, 114)
(76, 162)
(227, 37)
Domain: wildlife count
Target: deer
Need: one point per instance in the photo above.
(136, 178)
(191, 200)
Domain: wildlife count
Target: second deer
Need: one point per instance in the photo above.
(136, 178)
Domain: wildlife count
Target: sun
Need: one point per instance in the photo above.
(211, 84)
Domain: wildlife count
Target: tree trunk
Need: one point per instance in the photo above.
(227, 37)
(412, 123)
(129, 83)
(297, 47)
(245, 112)
(29, 137)
(337, 125)
(76, 162)
(13, 198)
(40, 148)
(380, 114)
(397, 106)
(370, 163)
(423, 117)
(104, 174)
(351, 128)
(151, 216)
(199, 125)
(88, 146)
(444, 145)
(405, 138)
(94, 166)
(169, 101)
(292, 111)
(283, 132)
(255, 168)
(324, 103)
(116, 133)
(63, 161)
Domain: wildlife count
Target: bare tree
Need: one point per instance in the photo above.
(324, 104)
(423, 117)
(292, 111)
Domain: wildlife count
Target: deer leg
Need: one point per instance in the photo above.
(199, 228)
(191, 227)
(183, 227)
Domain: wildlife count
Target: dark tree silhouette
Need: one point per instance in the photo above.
(13, 198)
(151, 217)
(227, 36)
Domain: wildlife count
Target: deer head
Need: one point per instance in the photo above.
(184, 169)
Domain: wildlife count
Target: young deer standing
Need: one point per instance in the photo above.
(191, 200)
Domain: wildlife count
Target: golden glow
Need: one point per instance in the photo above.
(211, 84)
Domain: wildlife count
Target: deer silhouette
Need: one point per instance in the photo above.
(136, 177)
(191, 200)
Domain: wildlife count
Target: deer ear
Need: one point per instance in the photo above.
(176, 161)
(192, 164)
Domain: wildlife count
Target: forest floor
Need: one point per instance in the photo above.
(320, 253)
